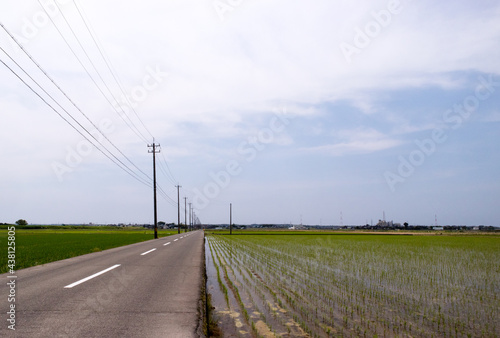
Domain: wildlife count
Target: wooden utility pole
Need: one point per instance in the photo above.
(185, 212)
(230, 218)
(190, 214)
(178, 211)
(156, 149)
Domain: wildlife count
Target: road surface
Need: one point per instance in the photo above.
(148, 289)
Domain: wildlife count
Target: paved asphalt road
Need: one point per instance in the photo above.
(148, 289)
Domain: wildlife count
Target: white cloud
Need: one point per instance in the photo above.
(355, 142)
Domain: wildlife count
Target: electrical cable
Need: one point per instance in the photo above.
(93, 65)
(169, 175)
(126, 169)
(165, 196)
(67, 97)
(137, 132)
(108, 64)
(167, 172)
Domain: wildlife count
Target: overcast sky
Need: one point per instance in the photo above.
(320, 112)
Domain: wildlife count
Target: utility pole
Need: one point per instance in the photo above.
(185, 212)
(178, 211)
(154, 151)
(230, 218)
(190, 214)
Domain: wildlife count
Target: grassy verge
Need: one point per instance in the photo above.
(40, 246)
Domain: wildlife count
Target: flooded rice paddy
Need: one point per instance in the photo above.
(354, 285)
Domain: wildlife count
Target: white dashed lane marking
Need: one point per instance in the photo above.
(145, 253)
(90, 277)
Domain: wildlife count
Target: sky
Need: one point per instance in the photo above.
(323, 112)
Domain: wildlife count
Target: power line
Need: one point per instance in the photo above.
(169, 199)
(108, 64)
(136, 130)
(163, 169)
(125, 168)
(65, 95)
(169, 174)
(93, 65)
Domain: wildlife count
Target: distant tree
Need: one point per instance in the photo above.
(406, 225)
(21, 222)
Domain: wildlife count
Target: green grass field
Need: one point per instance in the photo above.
(357, 284)
(40, 246)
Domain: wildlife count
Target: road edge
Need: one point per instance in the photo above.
(202, 329)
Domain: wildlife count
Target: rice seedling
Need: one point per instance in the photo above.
(365, 285)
